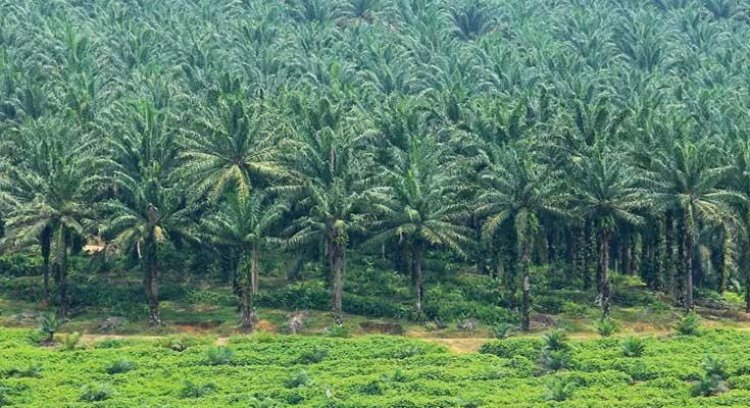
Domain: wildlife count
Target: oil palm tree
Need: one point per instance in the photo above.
(687, 180)
(604, 194)
(49, 195)
(329, 169)
(423, 209)
(517, 190)
(244, 225)
(150, 208)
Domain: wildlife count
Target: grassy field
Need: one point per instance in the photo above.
(264, 370)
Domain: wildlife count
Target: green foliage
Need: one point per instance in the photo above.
(178, 343)
(191, 390)
(633, 347)
(120, 367)
(217, 356)
(313, 356)
(48, 325)
(33, 370)
(96, 393)
(338, 331)
(689, 325)
(299, 379)
(15, 265)
(560, 389)
(386, 371)
(70, 341)
(555, 340)
(606, 327)
(503, 330)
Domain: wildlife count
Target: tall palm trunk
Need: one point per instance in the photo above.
(254, 277)
(669, 269)
(248, 292)
(417, 273)
(63, 285)
(45, 242)
(526, 301)
(687, 253)
(151, 280)
(602, 272)
(337, 263)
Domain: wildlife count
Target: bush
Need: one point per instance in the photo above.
(503, 330)
(191, 390)
(33, 370)
(633, 347)
(300, 379)
(713, 382)
(372, 388)
(70, 341)
(555, 352)
(548, 304)
(97, 392)
(120, 366)
(606, 327)
(555, 340)
(560, 389)
(20, 265)
(217, 356)
(48, 325)
(689, 325)
(708, 386)
(178, 344)
(715, 367)
(337, 331)
(316, 355)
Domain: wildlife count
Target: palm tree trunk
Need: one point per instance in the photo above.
(45, 242)
(418, 285)
(247, 297)
(669, 269)
(602, 272)
(337, 259)
(63, 287)
(255, 270)
(687, 245)
(151, 281)
(526, 301)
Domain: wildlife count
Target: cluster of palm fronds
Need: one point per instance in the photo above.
(590, 134)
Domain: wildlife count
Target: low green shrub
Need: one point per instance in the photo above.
(606, 327)
(503, 330)
(216, 356)
(191, 390)
(689, 325)
(120, 367)
(48, 324)
(633, 347)
(178, 343)
(70, 341)
(96, 392)
(300, 379)
(338, 331)
(560, 389)
(33, 370)
(313, 356)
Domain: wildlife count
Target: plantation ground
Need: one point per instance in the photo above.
(266, 370)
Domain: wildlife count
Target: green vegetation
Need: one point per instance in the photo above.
(709, 370)
(468, 169)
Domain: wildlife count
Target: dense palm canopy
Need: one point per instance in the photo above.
(558, 135)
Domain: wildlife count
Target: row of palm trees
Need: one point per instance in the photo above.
(579, 135)
(239, 182)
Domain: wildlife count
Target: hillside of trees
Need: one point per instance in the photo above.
(535, 143)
